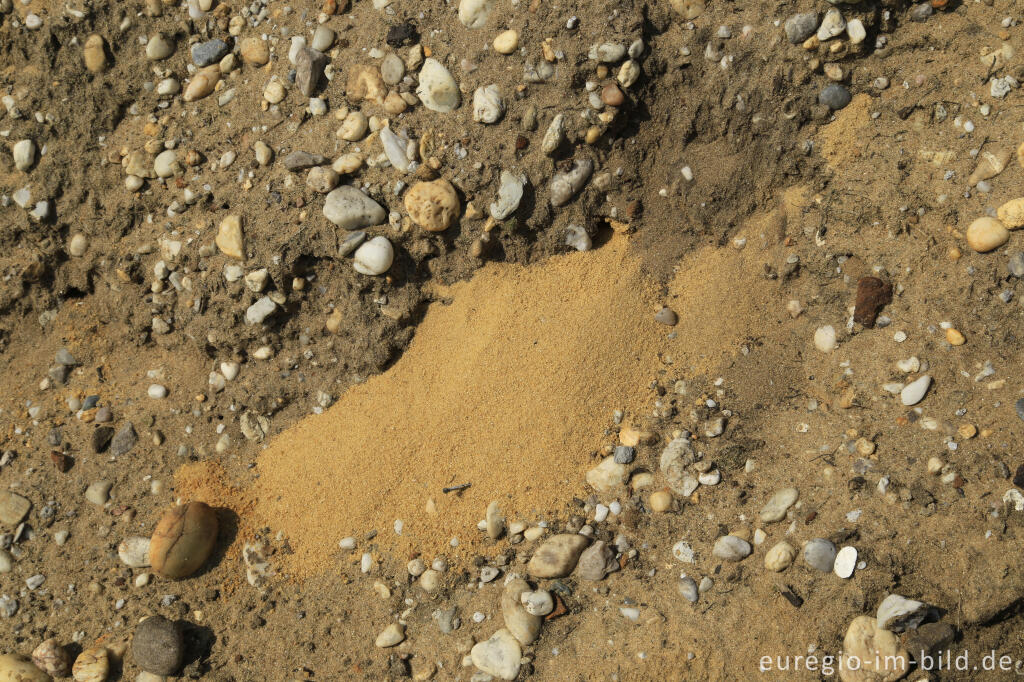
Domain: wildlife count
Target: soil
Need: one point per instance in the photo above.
(507, 369)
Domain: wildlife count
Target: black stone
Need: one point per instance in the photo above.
(400, 34)
(101, 438)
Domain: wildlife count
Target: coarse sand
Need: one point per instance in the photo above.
(510, 387)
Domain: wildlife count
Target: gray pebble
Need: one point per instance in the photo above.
(210, 52)
(158, 646)
(820, 554)
(624, 454)
(834, 96)
(732, 548)
(300, 160)
(688, 589)
(921, 12)
(64, 357)
(124, 440)
(1016, 264)
(800, 27)
(1019, 406)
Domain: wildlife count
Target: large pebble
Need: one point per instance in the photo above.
(731, 548)
(871, 654)
(689, 9)
(523, 625)
(564, 186)
(434, 205)
(1011, 213)
(183, 540)
(392, 635)
(374, 257)
(98, 493)
(166, 164)
(596, 562)
(230, 238)
(506, 42)
(846, 562)
(487, 104)
(607, 475)
(396, 148)
(124, 440)
(800, 27)
(51, 658)
(820, 554)
(776, 507)
(437, 88)
(832, 25)
(92, 665)
(780, 557)
(94, 53)
(134, 552)
(914, 392)
(309, 70)
(498, 656)
(24, 154)
(474, 13)
(834, 96)
(16, 668)
(986, 234)
(159, 47)
(350, 209)
(209, 52)
(255, 51)
(539, 603)
(557, 556)
(158, 646)
(897, 613)
(260, 310)
(510, 193)
(202, 84)
(13, 508)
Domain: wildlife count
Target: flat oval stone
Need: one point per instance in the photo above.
(776, 507)
(596, 562)
(986, 234)
(523, 625)
(557, 556)
(350, 209)
(846, 562)
(13, 508)
(498, 656)
(780, 557)
(183, 540)
(16, 668)
(731, 548)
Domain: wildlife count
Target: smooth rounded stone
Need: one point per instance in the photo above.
(17, 668)
(51, 658)
(506, 42)
(607, 475)
(255, 51)
(612, 96)
(392, 635)
(660, 501)
(347, 164)
(322, 179)
(323, 38)
(94, 53)
(687, 587)
(430, 581)
(825, 339)
(897, 613)
(596, 562)
(488, 107)
(914, 392)
(474, 13)
(557, 556)
(350, 209)
(554, 135)
(564, 186)
(124, 440)
(134, 552)
(156, 391)
(846, 562)
(494, 521)
(800, 27)
(776, 507)
(498, 656)
(78, 245)
(166, 164)
(666, 316)
(834, 96)
(209, 52)
(820, 554)
(374, 257)
(274, 92)
(354, 127)
(986, 234)
(6, 561)
(523, 625)
(538, 603)
(13, 508)
(437, 88)
(392, 68)
(856, 32)
(832, 25)
(92, 665)
(159, 47)
(1011, 213)
(183, 540)
(158, 646)
(1015, 265)
(689, 9)
(434, 205)
(780, 557)
(202, 84)
(871, 654)
(510, 193)
(607, 53)
(731, 548)
(24, 153)
(98, 493)
(301, 160)
(133, 183)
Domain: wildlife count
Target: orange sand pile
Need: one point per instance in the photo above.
(510, 387)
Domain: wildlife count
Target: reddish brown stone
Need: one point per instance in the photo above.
(61, 461)
(612, 96)
(872, 295)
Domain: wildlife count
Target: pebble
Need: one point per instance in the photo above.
(986, 234)
(156, 391)
(392, 635)
(98, 493)
(166, 164)
(825, 338)
(506, 42)
(374, 257)
(846, 562)
(392, 68)
(612, 95)
(596, 562)
(474, 13)
(124, 440)
(688, 589)
(159, 47)
(820, 554)
(24, 153)
(209, 52)
(779, 503)
(660, 501)
(323, 38)
(52, 658)
(557, 556)
(350, 209)
(92, 665)
(897, 613)
(523, 625)
(437, 88)
(666, 316)
(780, 557)
(1011, 213)
(832, 25)
(865, 641)
(259, 311)
(16, 668)
(488, 107)
(565, 185)
(78, 245)
(354, 127)
(856, 32)
(554, 135)
(309, 70)
(538, 603)
(498, 656)
(607, 475)
(183, 540)
(274, 91)
(800, 27)
(13, 508)
(6, 561)
(255, 51)
(134, 552)
(873, 294)
(322, 179)
(494, 521)
(624, 454)
(510, 193)
(834, 96)
(914, 392)
(158, 646)
(434, 205)
(731, 548)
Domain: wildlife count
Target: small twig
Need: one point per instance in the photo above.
(455, 488)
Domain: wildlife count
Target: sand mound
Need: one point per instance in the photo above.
(510, 388)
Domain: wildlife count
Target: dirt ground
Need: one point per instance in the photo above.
(788, 201)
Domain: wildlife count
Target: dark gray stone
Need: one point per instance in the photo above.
(624, 454)
(800, 27)
(158, 646)
(835, 96)
(124, 440)
(210, 52)
(309, 70)
(300, 160)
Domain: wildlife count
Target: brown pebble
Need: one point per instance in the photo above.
(612, 96)
(183, 540)
(61, 461)
(873, 294)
